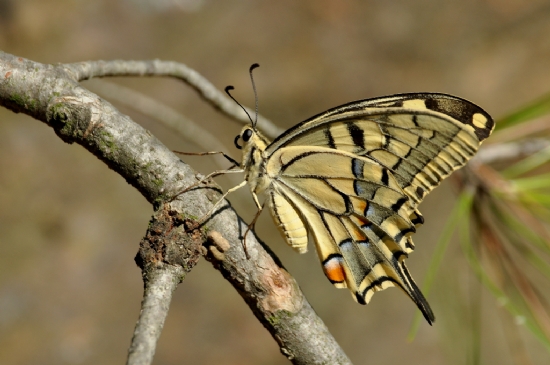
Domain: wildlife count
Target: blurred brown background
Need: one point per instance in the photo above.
(69, 227)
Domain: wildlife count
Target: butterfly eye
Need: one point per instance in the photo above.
(247, 134)
(237, 142)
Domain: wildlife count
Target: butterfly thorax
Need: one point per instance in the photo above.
(254, 159)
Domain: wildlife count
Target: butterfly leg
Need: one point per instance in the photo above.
(212, 174)
(252, 224)
(217, 204)
(233, 161)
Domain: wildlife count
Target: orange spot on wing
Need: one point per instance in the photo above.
(334, 270)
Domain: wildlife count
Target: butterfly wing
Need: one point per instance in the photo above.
(356, 212)
(354, 175)
(420, 138)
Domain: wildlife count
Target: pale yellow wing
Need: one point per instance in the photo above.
(420, 138)
(354, 175)
(356, 212)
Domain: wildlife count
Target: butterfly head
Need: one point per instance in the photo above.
(253, 142)
(253, 146)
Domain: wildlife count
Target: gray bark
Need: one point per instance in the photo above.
(173, 243)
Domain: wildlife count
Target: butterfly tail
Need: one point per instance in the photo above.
(383, 274)
(416, 295)
(371, 266)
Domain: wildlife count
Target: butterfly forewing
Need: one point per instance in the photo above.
(417, 136)
(353, 176)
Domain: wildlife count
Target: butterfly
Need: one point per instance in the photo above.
(352, 179)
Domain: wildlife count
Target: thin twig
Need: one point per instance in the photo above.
(87, 70)
(502, 152)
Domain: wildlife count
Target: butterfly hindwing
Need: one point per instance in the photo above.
(356, 213)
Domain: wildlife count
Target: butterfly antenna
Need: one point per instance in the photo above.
(254, 65)
(227, 89)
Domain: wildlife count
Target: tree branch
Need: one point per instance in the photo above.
(52, 95)
(276, 300)
(159, 287)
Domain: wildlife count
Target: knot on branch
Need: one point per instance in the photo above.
(167, 242)
(281, 293)
(72, 117)
(215, 247)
